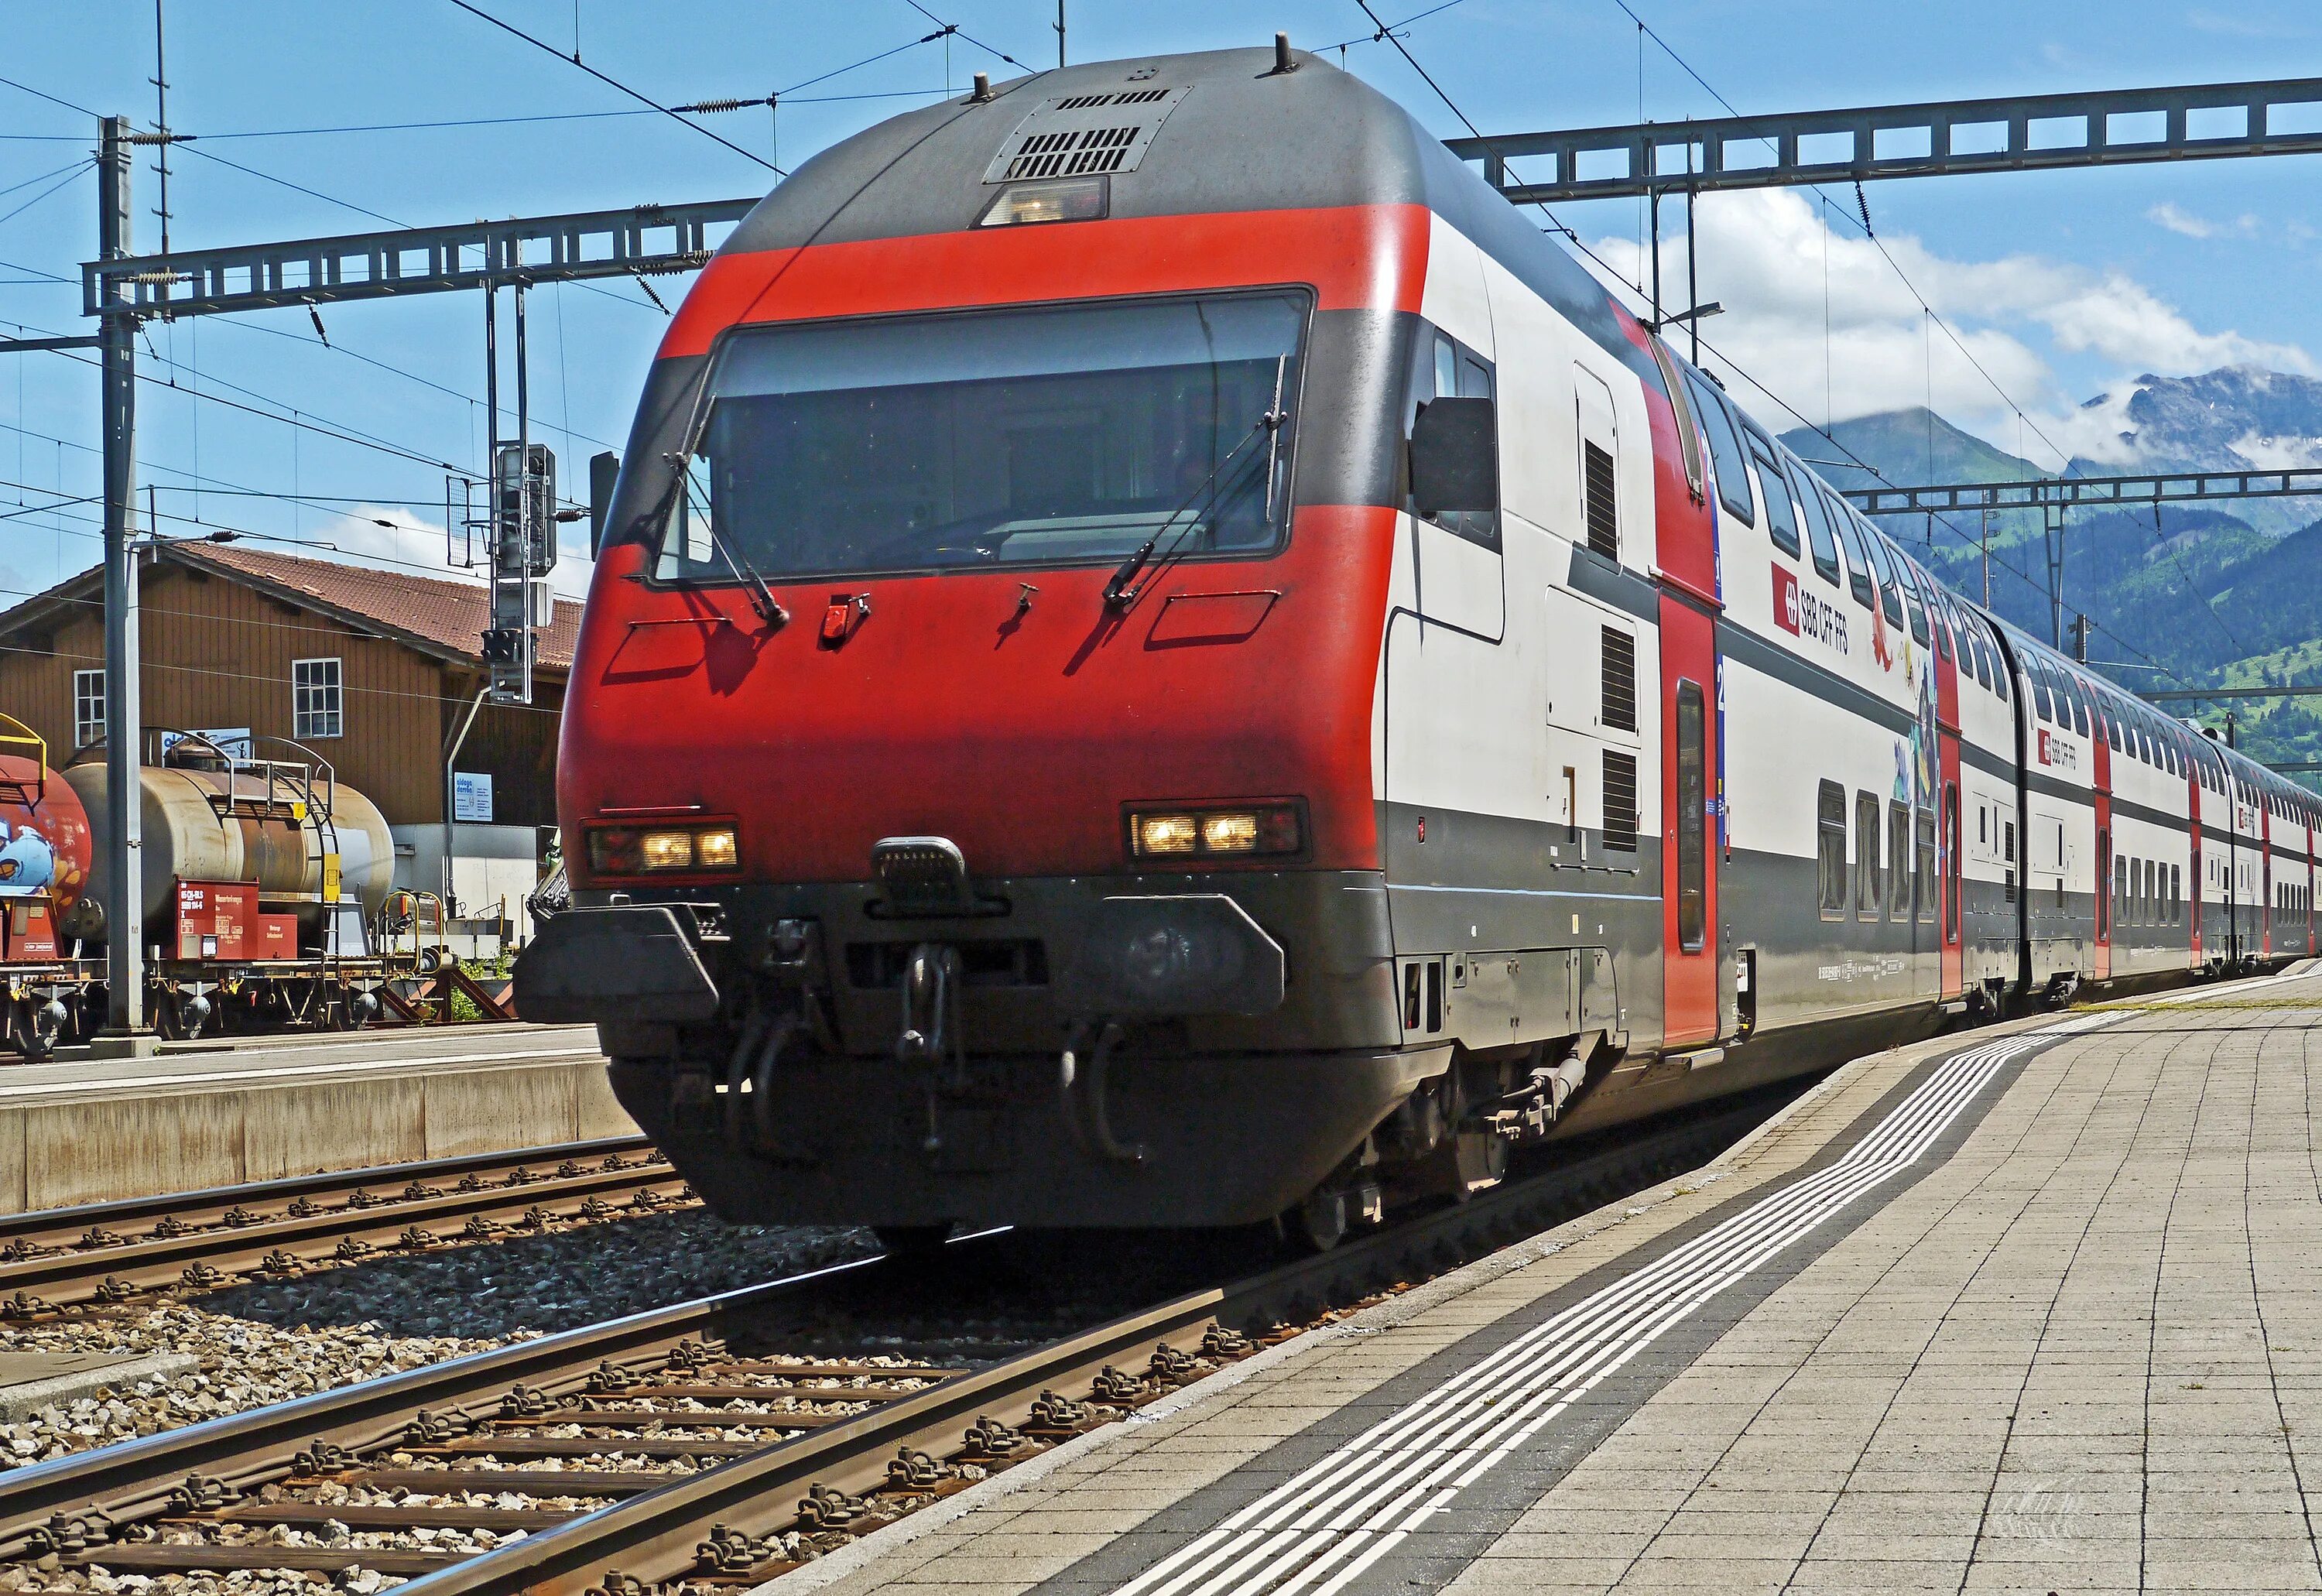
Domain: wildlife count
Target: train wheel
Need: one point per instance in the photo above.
(1318, 1223)
(43, 1023)
(181, 1015)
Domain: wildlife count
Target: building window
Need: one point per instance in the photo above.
(88, 707)
(315, 699)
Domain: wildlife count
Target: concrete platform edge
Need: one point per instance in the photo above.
(885, 1541)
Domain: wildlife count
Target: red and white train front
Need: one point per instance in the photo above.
(969, 766)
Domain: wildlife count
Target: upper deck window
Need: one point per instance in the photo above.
(1781, 520)
(1051, 435)
(1725, 450)
(1818, 536)
(1858, 562)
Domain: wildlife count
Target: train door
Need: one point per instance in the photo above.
(2265, 876)
(2103, 794)
(1689, 930)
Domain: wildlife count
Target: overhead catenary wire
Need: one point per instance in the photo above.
(579, 65)
(6, 217)
(954, 28)
(1636, 289)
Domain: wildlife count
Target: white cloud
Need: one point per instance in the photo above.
(1821, 317)
(2168, 213)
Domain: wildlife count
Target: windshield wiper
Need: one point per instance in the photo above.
(761, 596)
(1119, 594)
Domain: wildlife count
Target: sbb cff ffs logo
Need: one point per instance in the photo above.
(1803, 613)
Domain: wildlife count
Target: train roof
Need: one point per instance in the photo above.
(1221, 132)
(1199, 134)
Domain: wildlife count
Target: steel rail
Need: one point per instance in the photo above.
(188, 1205)
(134, 1479)
(656, 1536)
(203, 1257)
(658, 1533)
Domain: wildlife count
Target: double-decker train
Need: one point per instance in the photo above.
(1163, 657)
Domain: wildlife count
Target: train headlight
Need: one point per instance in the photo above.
(1222, 831)
(1063, 199)
(1235, 832)
(1165, 834)
(663, 850)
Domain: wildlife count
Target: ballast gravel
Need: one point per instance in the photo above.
(271, 1341)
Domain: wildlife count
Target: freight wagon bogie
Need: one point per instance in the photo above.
(263, 880)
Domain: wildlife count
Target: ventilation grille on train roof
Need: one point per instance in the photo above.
(1083, 135)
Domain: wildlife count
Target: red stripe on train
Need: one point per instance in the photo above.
(1357, 257)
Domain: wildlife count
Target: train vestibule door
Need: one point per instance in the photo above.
(1689, 851)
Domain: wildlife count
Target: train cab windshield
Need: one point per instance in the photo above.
(1054, 435)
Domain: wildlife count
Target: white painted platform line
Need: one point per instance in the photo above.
(1317, 1532)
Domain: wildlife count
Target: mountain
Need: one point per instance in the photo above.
(2228, 593)
(1907, 447)
(2232, 419)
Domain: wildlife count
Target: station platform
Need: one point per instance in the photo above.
(219, 1113)
(2037, 1308)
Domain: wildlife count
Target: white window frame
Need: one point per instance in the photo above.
(329, 714)
(88, 731)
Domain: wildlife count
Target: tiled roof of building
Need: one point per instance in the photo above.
(435, 614)
(449, 615)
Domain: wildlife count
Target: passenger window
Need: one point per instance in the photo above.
(1891, 594)
(1692, 817)
(1443, 370)
(1919, 630)
(1825, 548)
(1898, 862)
(1830, 849)
(1781, 519)
(1857, 563)
(1866, 856)
(1725, 450)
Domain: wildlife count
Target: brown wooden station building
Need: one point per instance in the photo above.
(373, 670)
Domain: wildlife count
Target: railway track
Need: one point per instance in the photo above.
(669, 1449)
(58, 1260)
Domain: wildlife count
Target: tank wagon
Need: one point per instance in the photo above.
(262, 881)
(1165, 657)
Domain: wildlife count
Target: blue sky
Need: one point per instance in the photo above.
(2062, 285)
